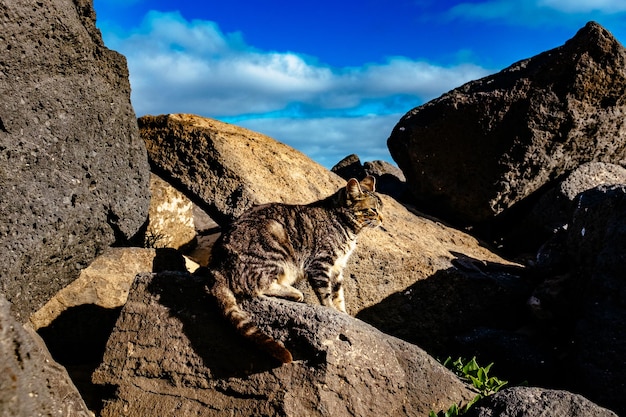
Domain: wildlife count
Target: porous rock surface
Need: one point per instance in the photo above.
(595, 246)
(172, 354)
(73, 169)
(553, 210)
(171, 217)
(31, 383)
(476, 151)
(536, 402)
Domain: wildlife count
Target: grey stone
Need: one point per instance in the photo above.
(478, 150)
(31, 382)
(171, 353)
(536, 402)
(73, 169)
(553, 210)
(595, 246)
(389, 178)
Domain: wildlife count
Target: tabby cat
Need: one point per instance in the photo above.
(272, 246)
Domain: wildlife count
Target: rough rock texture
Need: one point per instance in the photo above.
(389, 178)
(455, 312)
(77, 322)
(349, 167)
(579, 306)
(380, 169)
(73, 169)
(555, 206)
(553, 210)
(596, 242)
(479, 149)
(171, 217)
(536, 402)
(31, 383)
(171, 354)
(208, 158)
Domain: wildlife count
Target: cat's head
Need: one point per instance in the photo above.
(362, 201)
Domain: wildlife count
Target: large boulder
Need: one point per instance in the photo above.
(226, 169)
(536, 402)
(478, 150)
(595, 246)
(73, 169)
(580, 303)
(172, 353)
(553, 210)
(31, 383)
(77, 322)
(389, 178)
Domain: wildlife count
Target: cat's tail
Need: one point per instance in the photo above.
(242, 322)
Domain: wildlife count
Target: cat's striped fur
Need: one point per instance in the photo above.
(270, 247)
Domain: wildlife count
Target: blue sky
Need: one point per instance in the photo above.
(329, 78)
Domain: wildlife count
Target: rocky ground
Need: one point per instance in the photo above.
(502, 239)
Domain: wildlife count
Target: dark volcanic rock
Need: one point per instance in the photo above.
(73, 169)
(553, 209)
(596, 242)
(349, 167)
(389, 178)
(536, 402)
(478, 150)
(31, 383)
(172, 354)
(582, 303)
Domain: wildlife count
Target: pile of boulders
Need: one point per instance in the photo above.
(104, 220)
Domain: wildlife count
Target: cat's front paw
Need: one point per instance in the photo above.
(294, 295)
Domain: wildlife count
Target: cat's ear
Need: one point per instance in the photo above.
(353, 188)
(369, 183)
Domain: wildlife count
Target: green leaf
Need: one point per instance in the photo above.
(477, 383)
(453, 411)
(481, 375)
(488, 367)
(472, 402)
(471, 367)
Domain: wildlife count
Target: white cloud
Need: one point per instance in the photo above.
(328, 140)
(193, 67)
(585, 6)
(536, 12)
(490, 10)
(176, 63)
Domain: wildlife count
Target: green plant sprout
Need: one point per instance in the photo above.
(475, 375)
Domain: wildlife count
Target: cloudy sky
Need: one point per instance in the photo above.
(328, 77)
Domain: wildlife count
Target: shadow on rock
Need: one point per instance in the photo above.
(77, 339)
(475, 308)
(188, 300)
